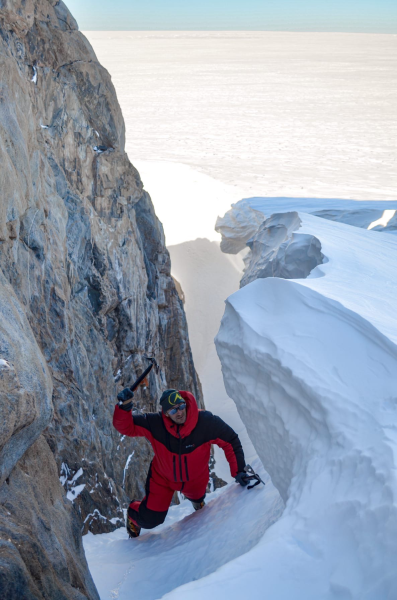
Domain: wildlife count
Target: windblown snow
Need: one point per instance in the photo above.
(312, 366)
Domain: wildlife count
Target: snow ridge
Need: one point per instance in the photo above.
(312, 365)
(242, 221)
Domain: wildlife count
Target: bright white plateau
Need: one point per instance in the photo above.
(257, 113)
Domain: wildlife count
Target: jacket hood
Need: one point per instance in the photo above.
(192, 413)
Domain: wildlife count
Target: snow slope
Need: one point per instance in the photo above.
(186, 547)
(312, 367)
(187, 202)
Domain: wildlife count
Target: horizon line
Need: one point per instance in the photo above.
(241, 31)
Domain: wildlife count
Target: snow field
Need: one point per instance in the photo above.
(188, 546)
(275, 113)
(187, 202)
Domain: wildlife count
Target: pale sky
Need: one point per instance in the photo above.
(372, 16)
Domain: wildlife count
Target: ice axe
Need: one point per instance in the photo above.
(146, 372)
(128, 393)
(252, 475)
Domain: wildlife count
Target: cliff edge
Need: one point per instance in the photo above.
(86, 293)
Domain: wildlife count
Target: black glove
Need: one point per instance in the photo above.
(242, 478)
(123, 396)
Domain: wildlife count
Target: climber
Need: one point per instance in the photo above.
(181, 436)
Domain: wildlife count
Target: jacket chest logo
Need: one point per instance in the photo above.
(190, 446)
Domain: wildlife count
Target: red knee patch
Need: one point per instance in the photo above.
(135, 505)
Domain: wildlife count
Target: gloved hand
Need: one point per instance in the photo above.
(242, 478)
(123, 396)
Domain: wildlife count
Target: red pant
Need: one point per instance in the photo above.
(153, 509)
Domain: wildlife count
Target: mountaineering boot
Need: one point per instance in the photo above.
(132, 526)
(198, 505)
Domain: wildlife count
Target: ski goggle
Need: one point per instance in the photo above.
(180, 406)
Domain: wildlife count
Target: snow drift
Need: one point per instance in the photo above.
(242, 221)
(312, 367)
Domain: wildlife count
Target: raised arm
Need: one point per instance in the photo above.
(124, 421)
(133, 426)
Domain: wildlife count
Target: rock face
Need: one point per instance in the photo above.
(278, 251)
(85, 292)
(237, 226)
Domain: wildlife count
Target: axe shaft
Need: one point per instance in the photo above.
(142, 377)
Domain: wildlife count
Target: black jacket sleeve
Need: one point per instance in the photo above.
(226, 438)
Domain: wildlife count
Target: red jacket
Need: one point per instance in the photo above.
(182, 452)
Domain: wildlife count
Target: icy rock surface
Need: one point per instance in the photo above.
(86, 292)
(311, 365)
(242, 221)
(278, 251)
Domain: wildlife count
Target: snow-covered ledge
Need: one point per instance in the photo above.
(243, 220)
(312, 367)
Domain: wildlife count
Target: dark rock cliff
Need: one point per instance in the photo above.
(86, 292)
